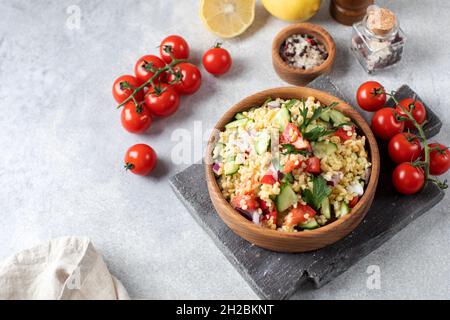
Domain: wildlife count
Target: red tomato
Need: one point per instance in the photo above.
(385, 124)
(163, 104)
(267, 213)
(123, 88)
(404, 147)
(292, 135)
(313, 165)
(217, 60)
(146, 67)
(134, 121)
(191, 78)
(419, 113)
(268, 179)
(342, 134)
(179, 48)
(408, 179)
(140, 159)
(371, 96)
(288, 166)
(299, 215)
(353, 202)
(248, 201)
(439, 159)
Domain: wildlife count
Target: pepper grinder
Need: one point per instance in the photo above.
(349, 11)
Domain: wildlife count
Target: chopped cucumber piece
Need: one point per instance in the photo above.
(325, 116)
(282, 118)
(239, 116)
(310, 224)
(325, 208)
(230, 168)
(338, 117)
(262, 142)
(286, 199)
(323, 148)
(341, 209)
(344, 209)
(217, 150)
(237, 123)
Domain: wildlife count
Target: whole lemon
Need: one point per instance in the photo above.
(292, 10)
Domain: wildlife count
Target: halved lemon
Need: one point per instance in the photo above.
(227, 18)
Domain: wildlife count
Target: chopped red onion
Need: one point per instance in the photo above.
(253, 216)
(274, 104)
(216, 168)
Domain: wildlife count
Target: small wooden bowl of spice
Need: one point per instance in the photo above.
(301, 52)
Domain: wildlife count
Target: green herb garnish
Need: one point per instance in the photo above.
(319, 192)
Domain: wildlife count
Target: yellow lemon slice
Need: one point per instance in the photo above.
(227, 18)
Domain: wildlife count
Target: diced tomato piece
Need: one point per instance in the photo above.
(353, 202)
(272, 214)
(288, 166)
(268, 179)
(302, 144)
(290, 134)
(249, 201)
(313, 165)
(263, 205)
(299, 215)
(342, 134)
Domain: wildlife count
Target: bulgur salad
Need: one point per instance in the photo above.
(291, 165)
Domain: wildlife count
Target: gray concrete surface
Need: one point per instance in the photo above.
(62, 144)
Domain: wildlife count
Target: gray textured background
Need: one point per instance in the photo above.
(62, 143)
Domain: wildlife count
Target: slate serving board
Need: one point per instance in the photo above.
(279, 275)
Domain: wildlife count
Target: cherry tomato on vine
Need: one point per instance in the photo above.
(164, 103)
(179, 48)
(217, 60)
(408, 179)
(419, 113)
(135, 119)
(140, 159)
(191, 78)
(385, 124)
(404, 147)
(439, 159)
(123, 88)
(371, 96)
(146, 67)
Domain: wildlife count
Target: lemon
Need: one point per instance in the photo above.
(227, 18)
(292, 10)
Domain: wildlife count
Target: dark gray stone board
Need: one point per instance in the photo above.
(279, 275)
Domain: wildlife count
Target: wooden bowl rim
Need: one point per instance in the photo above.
(265, 232)
(304, 28)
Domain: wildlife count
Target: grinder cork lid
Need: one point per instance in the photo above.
(380, 21)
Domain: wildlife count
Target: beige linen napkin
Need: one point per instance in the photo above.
(64, 268)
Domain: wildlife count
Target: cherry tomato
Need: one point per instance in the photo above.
(342, 134)
(385, 124)
(179, 48)
(371, 96)
(146, 67)
(292, 135)
(217, 60)
(140, 159)
(408, 179)
(313, 165)
(353, 202)
(299, 215)
(163, 104)
(419, 113)
(123, 88)
(134, 121)
(404, 147)
(191, 78)
(439, 159)
(245, 202)
(268, 179)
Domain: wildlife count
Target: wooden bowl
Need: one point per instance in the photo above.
(298, 76)
(292, 241)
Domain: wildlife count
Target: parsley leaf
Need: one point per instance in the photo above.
(290, 149)
(318, 193)
(316, 133)
(287, 179)
(290, 103)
